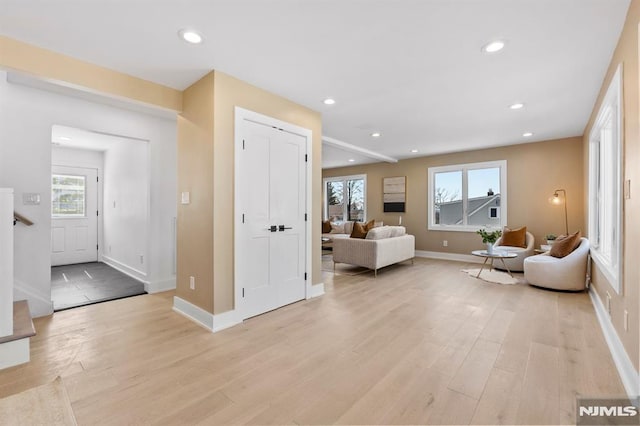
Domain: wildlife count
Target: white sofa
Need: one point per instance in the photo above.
(566, 273)
(382, 247)
(516, 264)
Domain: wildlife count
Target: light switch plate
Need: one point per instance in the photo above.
(30, 199)
(185, 198)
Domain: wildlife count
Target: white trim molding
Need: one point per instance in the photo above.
(626, 371)
(456, 257)
(315, 291)
(125, 269)
(159, 286)
(15, 352)
(211, 322)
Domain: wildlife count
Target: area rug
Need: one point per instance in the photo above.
(493, 276)
(45, 405)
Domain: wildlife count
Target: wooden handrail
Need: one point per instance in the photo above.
(17, 217)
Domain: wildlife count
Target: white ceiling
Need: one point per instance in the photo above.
(411, 69)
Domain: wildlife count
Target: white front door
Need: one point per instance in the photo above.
(272, 182)
(74, 215)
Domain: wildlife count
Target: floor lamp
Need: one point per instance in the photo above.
(555, 199)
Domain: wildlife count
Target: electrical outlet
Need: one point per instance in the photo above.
(445, 243)
(609, 303)
(141, 259)
(192, 283)
(626, 320)
(627, 189)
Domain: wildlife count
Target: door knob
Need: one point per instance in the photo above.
(272, 228)
(282, 227)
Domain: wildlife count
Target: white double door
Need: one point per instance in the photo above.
(74, 218)
(272, 232)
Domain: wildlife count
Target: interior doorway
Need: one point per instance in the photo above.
(99, 217)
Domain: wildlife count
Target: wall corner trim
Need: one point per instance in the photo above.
(211, 322)
(456, 257)
(626, 371)
(316, 290)
(158, 286)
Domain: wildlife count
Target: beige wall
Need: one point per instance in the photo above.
(18, 56)
(534, 171)
(211, 148)
(195, 175)
(626, 53)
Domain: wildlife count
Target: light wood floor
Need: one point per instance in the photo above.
(419, 344)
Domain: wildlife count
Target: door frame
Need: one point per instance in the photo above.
(81, 165)
(242, 114)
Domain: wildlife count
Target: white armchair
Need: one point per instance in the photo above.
(566, 273)
(516, 263)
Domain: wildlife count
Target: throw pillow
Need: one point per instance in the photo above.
(564, 246)
(359, 230)
(337, 228)
(369, 225)
(326, 227)
(514, 237)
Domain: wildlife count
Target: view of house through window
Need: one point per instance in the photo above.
(467, 197)
(345, 198)
(68, 196)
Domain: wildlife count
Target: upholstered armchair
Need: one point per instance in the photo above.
(565, 273)
(516, 263)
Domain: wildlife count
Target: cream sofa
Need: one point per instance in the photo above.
(382, 247)
(566, 273)
(516, 264)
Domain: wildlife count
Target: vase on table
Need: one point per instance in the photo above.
(490, 248)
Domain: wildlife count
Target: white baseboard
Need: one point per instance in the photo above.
(160, 285)
(206, 319)
(125, 269)
(40, 305)
(13, 353)
(316, 290)
(457, 257)
(626, 371)
(226, 320)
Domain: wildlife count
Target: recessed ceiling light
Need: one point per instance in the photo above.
(329, 101)
(493, 47)
(351, 160)
(527, 134)
(375, 135)
(414, 151)
(517, 105)
(190, 36)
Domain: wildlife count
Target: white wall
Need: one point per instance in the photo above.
(126, 208)
(26, 119)
(6, 261)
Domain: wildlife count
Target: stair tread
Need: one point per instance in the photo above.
(22, 323)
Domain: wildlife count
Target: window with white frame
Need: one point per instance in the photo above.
(467, 197)
(68, 194)
(345, 198)
(605, 183)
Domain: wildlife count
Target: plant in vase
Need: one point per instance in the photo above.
(551, 238)
(489, 238)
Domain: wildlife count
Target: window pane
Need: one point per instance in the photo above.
(355, 200)
(335, 203)
(448, 198)
(67, 196)
(483, 197)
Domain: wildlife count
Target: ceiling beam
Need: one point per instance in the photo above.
(356, 149)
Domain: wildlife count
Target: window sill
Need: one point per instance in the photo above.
(610, 274)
